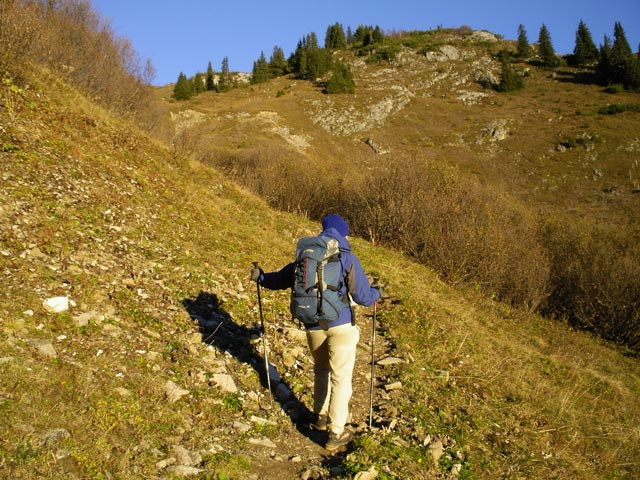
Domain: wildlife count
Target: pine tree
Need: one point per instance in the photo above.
(632, 74)
(585, 51)
(523, 49)
(603, 69)
(182, 89)
(377, 36)
(510, 79)
(277, 62)
(341, 80)
(298, 60)
(548, 56)
(199, 85)
(349, 36)
(224, 82)
(621, 56)
(210, 81)
(261, 72)
(335, 38)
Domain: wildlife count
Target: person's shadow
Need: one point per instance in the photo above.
(219, 329)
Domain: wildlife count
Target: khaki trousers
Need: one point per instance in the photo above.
(334, 356)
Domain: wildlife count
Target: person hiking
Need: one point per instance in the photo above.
(332, 342)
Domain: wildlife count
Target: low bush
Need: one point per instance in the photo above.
(595, 280)
(471, 234)
(70, 39)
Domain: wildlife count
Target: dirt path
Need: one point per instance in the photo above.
(300, 451)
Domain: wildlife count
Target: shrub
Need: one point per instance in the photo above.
(18, 29)
(619, 108)
(595, 280)
(341, 80)
(70, 39)
(470, 234)
(510, 79)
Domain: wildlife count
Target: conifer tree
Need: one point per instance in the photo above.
(210, 82)
(510, 79)
(224, 82)
(314, 61)
(199, 84)
(261, 72)
(277, 62)
(182, 89)
(298, 60)
(523, 49)
(548, 56)
(349, 36)
(620, 60)
(335, 38)
(603, 69)
(377, 36)
(341, 80)
(585, 51)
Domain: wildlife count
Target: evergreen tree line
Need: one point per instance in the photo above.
(185, 88)
(613, 63)
(308, 61)
(311, 61)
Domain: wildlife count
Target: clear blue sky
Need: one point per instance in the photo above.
(183, 36)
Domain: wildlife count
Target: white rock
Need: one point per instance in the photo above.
(262, 442)
(52, 437)
(173, 392)
(162, 464)
(56, 304)
(393, 386)
(184, 471)
(185, 457)
(46, 349)
(261, 421)
(83, 319)
(368, 475)
(436, 449)
(224, 382)
(241, 427)
(389, 361)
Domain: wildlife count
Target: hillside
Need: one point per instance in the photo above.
(531, 196)
(153, 251)
(547, 139)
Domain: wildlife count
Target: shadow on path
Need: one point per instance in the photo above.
(244, 343)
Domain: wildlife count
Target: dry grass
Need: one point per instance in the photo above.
(92, 209)
(493, 224)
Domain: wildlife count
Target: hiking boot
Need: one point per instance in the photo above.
(320, 423)
(338, 440)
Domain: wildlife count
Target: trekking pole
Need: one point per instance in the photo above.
(264, 340)
(373, 362)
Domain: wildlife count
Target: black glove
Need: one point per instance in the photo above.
(378, 287)
(256, 274)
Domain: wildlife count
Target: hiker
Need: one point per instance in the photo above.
(332, 343)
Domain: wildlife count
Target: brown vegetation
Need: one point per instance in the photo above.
(73, 42)
(133, 232)
(472, 234)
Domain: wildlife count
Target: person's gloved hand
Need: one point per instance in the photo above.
(376, 284)
(256, 274)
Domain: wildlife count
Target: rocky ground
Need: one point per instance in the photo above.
(297, 451)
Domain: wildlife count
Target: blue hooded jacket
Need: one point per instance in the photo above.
(359, 288)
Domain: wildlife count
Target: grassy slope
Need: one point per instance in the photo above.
(96, 211)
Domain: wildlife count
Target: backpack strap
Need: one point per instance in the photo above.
(348, 275)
